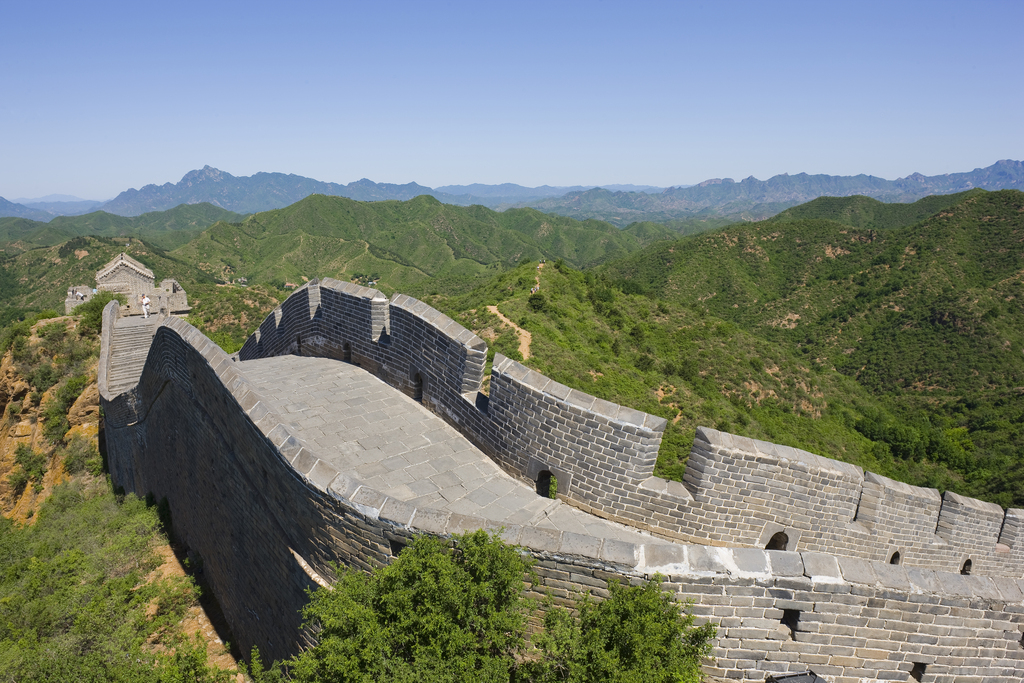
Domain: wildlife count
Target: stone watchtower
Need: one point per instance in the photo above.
(125, 275)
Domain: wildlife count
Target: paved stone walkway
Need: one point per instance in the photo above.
(364, 427)
(130, 345)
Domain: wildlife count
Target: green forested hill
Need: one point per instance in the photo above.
(39, 278)
(928, 318)
(865, 212)
(881, 338)
(397, 243)
(166, 229)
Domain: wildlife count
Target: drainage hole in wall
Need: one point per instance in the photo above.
(917, 673)
(966, 569)
(791, 620)
(778, 541)
(396, 546)
(894, 558)
(547, 485)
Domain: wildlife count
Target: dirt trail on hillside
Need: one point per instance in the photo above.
(525, 338)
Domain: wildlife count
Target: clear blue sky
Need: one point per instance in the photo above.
(102, 96)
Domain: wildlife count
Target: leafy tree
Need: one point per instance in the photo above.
(437, 613)
(638, 635)
(455, 612)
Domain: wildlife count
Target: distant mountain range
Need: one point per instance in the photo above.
(749, 199)
(753, 199)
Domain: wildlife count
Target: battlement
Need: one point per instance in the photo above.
(270, 517)
(736, 491)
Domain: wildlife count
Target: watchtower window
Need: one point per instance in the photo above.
(778, 541)
(417, 387)
(895, 558)
(917, 673)
(966, 569)
(547, 485)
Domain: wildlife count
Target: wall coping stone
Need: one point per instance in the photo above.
(973, 503)
(821, 568)
(906, 489)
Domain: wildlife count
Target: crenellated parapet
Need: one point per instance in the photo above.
(270, 516)
(736, 491)
(598, 452)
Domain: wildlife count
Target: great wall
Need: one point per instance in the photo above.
(348, 423)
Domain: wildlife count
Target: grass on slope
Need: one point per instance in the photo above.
(671, 360)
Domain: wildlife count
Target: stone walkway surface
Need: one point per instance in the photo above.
(367, 429)
(130, 343)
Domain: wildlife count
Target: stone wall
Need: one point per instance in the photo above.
(597, 451)
(736, 491)
(267, 516)
(77, 295)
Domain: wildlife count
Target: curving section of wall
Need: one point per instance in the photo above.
(736, 491)
(267, 516)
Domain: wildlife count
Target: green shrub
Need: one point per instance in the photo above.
(44, 376)
(75, 601)
(55, 414)
(91, 312)
(455, 612)
(80, 454)
(31, 467)
(637, 634)
(435, 613)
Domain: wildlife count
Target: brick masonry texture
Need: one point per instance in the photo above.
(268, 516)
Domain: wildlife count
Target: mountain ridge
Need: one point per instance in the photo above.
(748, 199)
(753, 199)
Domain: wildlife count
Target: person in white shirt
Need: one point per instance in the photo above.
(145, 306)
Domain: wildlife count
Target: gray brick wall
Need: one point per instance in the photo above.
(736, 491)
(267, 517)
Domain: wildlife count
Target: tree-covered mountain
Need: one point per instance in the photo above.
(753, 199)
(399, 243)
(928, 318)
(166, 229)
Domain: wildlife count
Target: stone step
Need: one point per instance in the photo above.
(129, 349)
